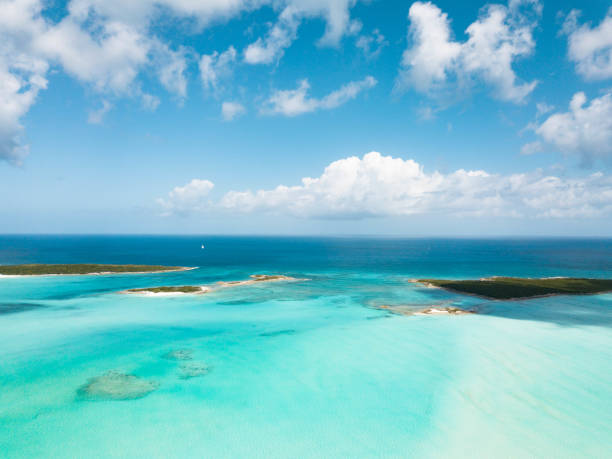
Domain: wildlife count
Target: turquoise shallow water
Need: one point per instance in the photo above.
(310, 368)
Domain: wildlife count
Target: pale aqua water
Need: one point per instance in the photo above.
(306, 369)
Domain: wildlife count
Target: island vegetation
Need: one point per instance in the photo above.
(170, 289)
(198, 289)
(505, 288)
(82, 268)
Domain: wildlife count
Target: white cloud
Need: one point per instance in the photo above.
(280, 36)
(110, 61)
(371, 45)
(427, 62)
(215, 67)
(590, 48)
(109, 44)
(382, 186)
(185, 199)
(97, 116)
(293, 102)
(232, 110)
(22, 74)
(171, 69)
(284, 31)
(585, 129)
(495, 40)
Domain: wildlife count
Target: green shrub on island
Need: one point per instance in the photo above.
(42, 269)
(504, 288)
(170, 289)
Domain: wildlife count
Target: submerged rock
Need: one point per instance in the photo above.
(179, 354)
(193, 370)
(115, 385)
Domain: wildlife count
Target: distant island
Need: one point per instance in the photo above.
(509, 288)
(164, 290)
(38, 269)
(199, 289)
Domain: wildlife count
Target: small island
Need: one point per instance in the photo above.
(256, 278)
(437, 309)
(169, 290)
(511, 288)
(84, 268)
(199, 289)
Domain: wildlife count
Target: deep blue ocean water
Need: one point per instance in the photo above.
(309, 368)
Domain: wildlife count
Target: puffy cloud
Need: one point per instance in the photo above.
(590, 48)
(284, 31)
(496, 39)
(378, 185)
(216, 67)
(585, 129)
(110, 61)
(427, 62)
(231, 110)
(22, 73)
(293, 102)
(109, 44)
(188, 198)
(21, 82)
(383, 186)
(140, 13)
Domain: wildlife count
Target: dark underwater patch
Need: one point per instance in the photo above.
(11, 308)
(235, 302)
(278, 333)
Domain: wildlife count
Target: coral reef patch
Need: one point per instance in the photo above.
(114, 385)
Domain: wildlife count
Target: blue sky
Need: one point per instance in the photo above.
(177, 116)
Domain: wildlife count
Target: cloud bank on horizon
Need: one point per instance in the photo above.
(382, 186)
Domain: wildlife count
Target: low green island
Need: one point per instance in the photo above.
(199, 289)
(38, 269)
(170, 289)
(506, 288)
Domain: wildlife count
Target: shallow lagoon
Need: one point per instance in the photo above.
(305, 369)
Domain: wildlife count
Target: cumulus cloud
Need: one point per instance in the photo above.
(293, 102)
(585, 129)
(109, 44)
(215, 67)
(231, 110)
(185, 199)
(590, 48)
(495, 40)
(382, 186)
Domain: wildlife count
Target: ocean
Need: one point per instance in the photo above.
(310, 368)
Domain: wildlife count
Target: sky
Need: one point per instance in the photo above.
(346, 117)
